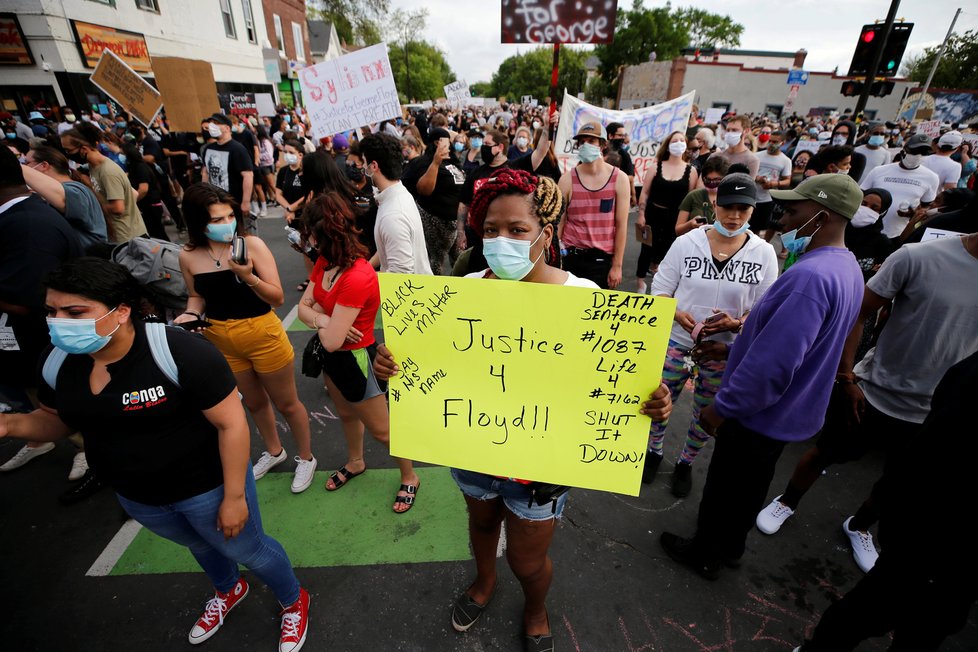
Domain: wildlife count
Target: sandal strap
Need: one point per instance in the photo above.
(407, 500)
(410, 488)
(343, 474)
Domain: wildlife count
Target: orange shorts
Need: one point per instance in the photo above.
(258, 343)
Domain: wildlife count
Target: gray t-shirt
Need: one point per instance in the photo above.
(933, 325)
(773, 167)
(84, 214)
(745, 157)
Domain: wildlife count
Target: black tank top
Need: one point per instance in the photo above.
(226, 298)
(669, 193)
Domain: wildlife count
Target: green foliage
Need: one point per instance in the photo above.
(481, 89)
(709, 30)
(597, 90)
(429, 71)
(356, 21)
(958, 67)
(529, 74)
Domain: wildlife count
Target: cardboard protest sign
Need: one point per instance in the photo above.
(550, 394)
(351, 91)
(137, 96)
(189, 91)
(239, 104)
(808, 146)
(550, 21)
(646, 127)
(457, 93)
(265, 104)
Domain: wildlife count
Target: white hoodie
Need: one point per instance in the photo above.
(688, 274)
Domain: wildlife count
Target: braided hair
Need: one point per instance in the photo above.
(546, 201)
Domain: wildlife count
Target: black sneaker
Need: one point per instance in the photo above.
(88, 486)
(682, 480)
(651, 467)
(684, 551)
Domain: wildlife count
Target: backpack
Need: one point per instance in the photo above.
(158, 346)
(155, 264)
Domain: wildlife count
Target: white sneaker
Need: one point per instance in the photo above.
(78, 467)
(254, 208)
(304, 471)
(863, 550)
(770, 519)
(263, 210)
(267, 462)
(25, 455)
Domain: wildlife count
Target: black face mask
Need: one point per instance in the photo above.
(354, 174)
(487, 154)
(616, 143)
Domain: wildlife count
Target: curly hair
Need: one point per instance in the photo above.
(330, 218)
(545, 198)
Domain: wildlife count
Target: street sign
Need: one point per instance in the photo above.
(798, 77)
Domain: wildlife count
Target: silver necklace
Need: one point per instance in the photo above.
(217, 261)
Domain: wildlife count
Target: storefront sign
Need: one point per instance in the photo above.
(128, 46)
(13, 45)
(124, 85)
(555, 21)
(189, 91)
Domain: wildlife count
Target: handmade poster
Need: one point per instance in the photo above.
(115, 78)
(457, 93)
(189, 91)
(524, 380)
(555, 21)
(265, 104)
(351, 91)
(713, 116)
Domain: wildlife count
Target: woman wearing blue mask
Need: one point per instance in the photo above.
(716, 273)
(237, 299)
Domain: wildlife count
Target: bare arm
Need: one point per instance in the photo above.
(566, 187)
(871, 304)
(247, 185)
(644, 197)
(52, 191)
(622, 206)
(228, 417)
(141, 191)
(195, 303)
(260, 273)
(40, 425)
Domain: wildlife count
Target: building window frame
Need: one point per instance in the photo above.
(279, 34)
(110, 3)
(148, 5)
(299, 41)
(249, 20)
(227, 17)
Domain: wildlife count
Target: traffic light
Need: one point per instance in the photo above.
(853, 88)
(881, 88)
(893, 49)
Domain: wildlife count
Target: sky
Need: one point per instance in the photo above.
(468, 31)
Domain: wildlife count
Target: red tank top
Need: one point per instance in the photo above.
(591, 215)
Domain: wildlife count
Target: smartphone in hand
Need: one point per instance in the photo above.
(239, 250)
(194, 325)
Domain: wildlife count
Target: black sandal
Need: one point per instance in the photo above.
(412, 491)
(342, 474)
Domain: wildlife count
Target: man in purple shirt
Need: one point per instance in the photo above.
(780, 370)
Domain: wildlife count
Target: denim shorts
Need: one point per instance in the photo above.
(516, 496)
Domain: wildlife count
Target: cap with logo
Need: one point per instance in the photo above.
(836, 192)
(918, 142)
(737, 188)
(595, 129)
(951, 139)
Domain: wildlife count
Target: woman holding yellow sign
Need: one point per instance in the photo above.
(516, 215)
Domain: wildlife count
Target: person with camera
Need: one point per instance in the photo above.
(170, 439)
(514, 211)
(233, 280)
(716, 273)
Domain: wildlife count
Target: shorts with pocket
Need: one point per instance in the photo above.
(353, 372)
(258, 343)
(516, 495)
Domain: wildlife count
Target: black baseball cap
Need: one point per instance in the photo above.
(737, 188)
(918, 143)
(220, 118)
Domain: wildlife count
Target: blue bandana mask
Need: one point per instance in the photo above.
(509, 259)
(222, 232)
(78, 336)
(722, 230)
(794, 244)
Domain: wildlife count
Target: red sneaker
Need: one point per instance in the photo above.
(295, 620)
(215, 611)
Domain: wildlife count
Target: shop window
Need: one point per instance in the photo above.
(228, 19)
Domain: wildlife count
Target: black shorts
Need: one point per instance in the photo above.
(353, 373)
(842, 441)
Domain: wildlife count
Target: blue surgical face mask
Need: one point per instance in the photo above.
(223, 232)
(509, 259)
(78, 336)
(722, 230)
(794, 244)
(476, 143)
(877, 140)
(588, 153)
(120, 125)
(458, 146)
(122, 158)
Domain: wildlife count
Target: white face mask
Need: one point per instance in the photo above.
(677, 149)
(291, 159)
(839, 140)
(536, 125)
(864, 217)
(911, 161)
(522, 141)
(213, 130)
(732, 138)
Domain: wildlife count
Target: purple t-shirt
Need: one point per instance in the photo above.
(781, 368)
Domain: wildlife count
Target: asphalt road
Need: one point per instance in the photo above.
(613, 589)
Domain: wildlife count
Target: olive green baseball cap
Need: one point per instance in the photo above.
(836, 192)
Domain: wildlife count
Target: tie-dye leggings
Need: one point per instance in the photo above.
(706, 384)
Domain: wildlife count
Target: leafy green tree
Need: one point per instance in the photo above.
(481, 89)
(429, 71)
(356, 21)
(529, 74)
(958, 67)
(709, 30)
(597, 89)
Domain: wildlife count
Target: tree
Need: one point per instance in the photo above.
(708, 30)
(405, 27)
(356, 21)
(429, 71)
(529, 74)
(597, 90)
(958, 67)
(481, 89)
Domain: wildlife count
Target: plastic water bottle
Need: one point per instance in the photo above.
(294, 236)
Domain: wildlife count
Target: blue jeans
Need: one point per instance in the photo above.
(193, 523)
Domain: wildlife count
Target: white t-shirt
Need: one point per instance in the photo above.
(933, 325)
(772, 167)
(947, 171)
(910, 186)
(572, 281)
(689, 274)
(874, 158)
(399, 233)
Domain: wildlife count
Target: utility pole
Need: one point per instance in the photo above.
(877, 57)
(933, 68)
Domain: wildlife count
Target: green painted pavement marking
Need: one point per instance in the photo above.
(296, 325)
(353, 526)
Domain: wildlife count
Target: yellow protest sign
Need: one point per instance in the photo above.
(524, 380)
